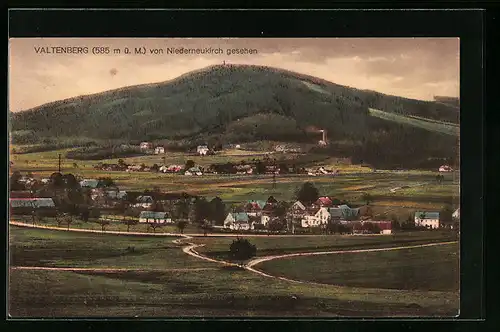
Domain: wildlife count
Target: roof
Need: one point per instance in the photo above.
(144, 199)
(240, 217)
(325, 200)
(32, 202)
(258, 204)
(90, 183)
(335, 212)
(153, 215)
(114, 194)
(428, 215)
(300, 205)
(194, 169)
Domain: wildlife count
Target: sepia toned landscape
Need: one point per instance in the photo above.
(272, 178)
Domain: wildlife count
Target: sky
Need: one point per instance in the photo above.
(418, 68)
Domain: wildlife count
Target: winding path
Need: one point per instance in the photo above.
(189, 249)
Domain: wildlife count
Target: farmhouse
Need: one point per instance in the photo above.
(315, 219)
(159, 150)
(237, 221)
(202, 150)
(146, 146)
(89, 183)
(25, 206)
(427, 219)
(155, 217)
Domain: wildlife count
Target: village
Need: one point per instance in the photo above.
(67, 199)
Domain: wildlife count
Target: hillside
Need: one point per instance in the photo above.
(232, 103)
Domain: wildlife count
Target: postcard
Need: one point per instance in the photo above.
(234, 177)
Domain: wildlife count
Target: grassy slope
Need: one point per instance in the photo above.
(30, 247)
(217, 247)
(209, 293)
(428, 268)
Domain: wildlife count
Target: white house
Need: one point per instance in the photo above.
(159, 150)
(320, 217)
(144, 202)
(456, 214)
(154, 217)
(202, 150)
(427, 219)
(237, 221)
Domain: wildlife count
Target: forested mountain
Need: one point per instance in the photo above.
(241, 103)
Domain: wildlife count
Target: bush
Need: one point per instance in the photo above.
(242, 249)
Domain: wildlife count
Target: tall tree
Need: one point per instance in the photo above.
(217, 211)
(201, 210)
(15, 184)
(189, 164)
(308, 193)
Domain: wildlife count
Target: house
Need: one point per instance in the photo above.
(349, 213)
(385, 226)
(254, 208)
(456, 214)
(159, 150)
(237, 221)
(202, 150)
(89, 183)
(193, 171)
(335, 214)
(144, 202)
(427, 219)
(146, 146)
(155, 217)
(316, 219)
(323, 201)
(445, 168)
(25, 206)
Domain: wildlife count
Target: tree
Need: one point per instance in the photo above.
(283, 168)
(260, 168)
(95, 214)
(189, 164)
(57, 180)
(14, 181)
(130, 218)
(367, 198)
(121, 162)
(181, 225)
(217, 211)
(154, 225)
(395, 222)
(201, 210)
(281, 209)
(308, 193)
(103, 222)
(182, 209)
(67, 219)
(241, 249)
(106, 182)
(276, 225)
(84, 212)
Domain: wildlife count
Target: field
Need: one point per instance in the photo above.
(427, 268)
(217, 247)
(394, 193)
(162, 281)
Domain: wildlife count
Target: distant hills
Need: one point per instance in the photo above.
(238, 103)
